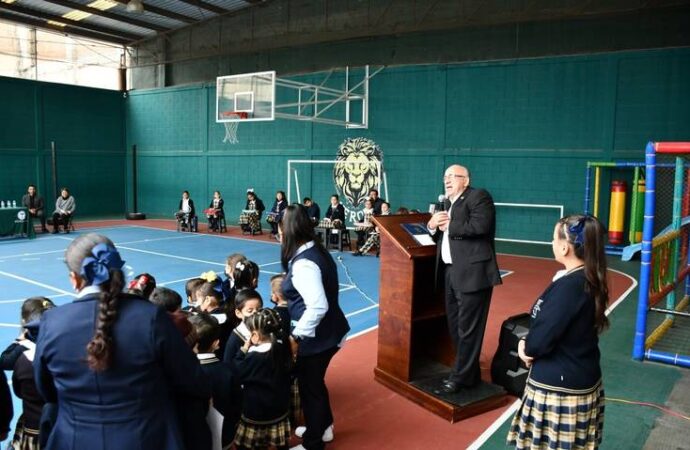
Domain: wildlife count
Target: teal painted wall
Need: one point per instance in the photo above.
(525, 129)
(87, 126)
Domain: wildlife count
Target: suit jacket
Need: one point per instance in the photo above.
(336, 214)
(129, 405)
(471, 235)
(38, 201)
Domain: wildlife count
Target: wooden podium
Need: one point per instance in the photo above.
(414, 348)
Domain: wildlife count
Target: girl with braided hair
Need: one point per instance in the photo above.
(563, 403)
(262, 366)
(111, 361)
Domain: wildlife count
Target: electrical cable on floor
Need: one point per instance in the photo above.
(651, 405)
(349, 277)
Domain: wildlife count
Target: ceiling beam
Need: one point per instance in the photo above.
(77, 24)
(108, 15)
(164, 12)
(62, 30)
(206, 6)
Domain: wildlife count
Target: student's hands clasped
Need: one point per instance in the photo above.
(439, 221)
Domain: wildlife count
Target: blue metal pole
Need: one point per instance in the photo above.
(646, 255)
(668, 358)
(588, 181)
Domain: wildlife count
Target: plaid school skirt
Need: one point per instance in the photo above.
(555, 420)
(24, 439)
(296, 415)
(251, 434)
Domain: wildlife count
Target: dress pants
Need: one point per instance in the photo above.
(467, 313)
(311, 374)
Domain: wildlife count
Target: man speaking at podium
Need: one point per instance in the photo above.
(464, 231)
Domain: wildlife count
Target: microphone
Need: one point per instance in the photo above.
(442, 202)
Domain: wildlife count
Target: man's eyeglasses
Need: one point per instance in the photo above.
(452, 175)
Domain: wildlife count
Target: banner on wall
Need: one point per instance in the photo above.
(358, 169)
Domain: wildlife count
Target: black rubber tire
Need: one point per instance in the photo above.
(135, 216)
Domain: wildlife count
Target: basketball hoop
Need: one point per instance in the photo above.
(233, 120)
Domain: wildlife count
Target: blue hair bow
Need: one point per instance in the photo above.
(95, 269)
(577, 230)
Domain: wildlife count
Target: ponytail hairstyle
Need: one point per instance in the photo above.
(245, 274)
(587, 236)
(34, 307)
(267, 323)
(94, 258)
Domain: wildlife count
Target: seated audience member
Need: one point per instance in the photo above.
(385, 209)
(171, 302)
(186, 213)
(250, 222)
(64, 208)
(313, 210)
(142, 285)
(364, 227)
(215, 212)
(218, 374)
(276, 213)
(402, 211)
(415, 211)
(26, 435)
(335, 213)
(15, 349)
(376, 201)
(34, 203)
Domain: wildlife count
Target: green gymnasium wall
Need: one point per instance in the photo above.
(525, 128)
(87, 126)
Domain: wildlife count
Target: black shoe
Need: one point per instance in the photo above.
(357, 253)
(66, 230)
(448, 387)
(44, 230)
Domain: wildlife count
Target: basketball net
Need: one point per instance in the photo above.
(231, 127)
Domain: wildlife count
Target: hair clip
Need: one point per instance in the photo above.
(209, 276)
(250, 190)
(239, 265)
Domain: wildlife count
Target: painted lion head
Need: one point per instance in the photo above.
(355, 172)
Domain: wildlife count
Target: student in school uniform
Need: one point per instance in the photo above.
(26, 435)
(112, 361)
(262, 366)
(218, 373)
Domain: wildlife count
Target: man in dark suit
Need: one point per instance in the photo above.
(34, 203)
(466, 258)
(376, 201)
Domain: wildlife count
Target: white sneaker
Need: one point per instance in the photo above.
(327, 434)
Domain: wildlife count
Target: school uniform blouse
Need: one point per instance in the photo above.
(278, 208)
(562, 338)
(266, 388)
(190, 204)
(129, 405)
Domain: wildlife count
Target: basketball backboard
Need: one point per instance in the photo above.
(246, 97)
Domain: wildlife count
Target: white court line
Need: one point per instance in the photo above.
(498, 423)
(507, 272)
(19, 300)
(208, 235)
(359, 333)
(359, 311)
(36, 283)
(10, 325)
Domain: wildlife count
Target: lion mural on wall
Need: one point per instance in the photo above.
(354, 174)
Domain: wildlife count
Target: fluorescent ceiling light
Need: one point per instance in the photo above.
(135, 6)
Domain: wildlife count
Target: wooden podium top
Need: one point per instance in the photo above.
(391, 226)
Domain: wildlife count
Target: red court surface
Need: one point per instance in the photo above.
(370, 416)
